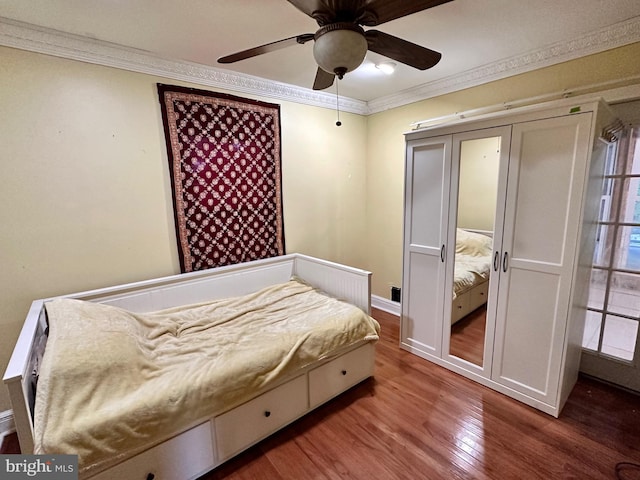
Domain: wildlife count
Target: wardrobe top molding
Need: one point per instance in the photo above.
(555, 108)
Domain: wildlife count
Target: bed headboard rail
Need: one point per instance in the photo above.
(187, 289)
(340, 281)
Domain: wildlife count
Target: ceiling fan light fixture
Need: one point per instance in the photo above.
(340, 47)
(386, 67)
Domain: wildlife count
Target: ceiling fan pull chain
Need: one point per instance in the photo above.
(338, 123)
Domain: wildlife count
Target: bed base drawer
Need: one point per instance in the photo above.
(188, 455)
(467, 302)
(335, 376)
(202, 448)
(252, 421)
(479, 295)
(460, 307)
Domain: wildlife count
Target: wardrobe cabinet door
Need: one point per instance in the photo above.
(479, 171)
(427, 180)
(542, 220)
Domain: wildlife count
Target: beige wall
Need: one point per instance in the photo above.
(85, 200)
(385, 159)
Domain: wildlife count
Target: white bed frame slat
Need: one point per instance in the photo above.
(346, 285)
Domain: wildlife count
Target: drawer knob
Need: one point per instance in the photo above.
(344, 372)
(267, 413)
(150, 476)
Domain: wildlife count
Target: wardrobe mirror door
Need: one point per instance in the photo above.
(473, 261)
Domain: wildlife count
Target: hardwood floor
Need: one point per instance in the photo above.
(9, 444)
(416, 420)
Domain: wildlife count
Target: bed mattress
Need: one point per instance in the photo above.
(113, 382)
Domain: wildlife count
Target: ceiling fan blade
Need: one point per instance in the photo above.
(330, 11)
(377, 12)
(269, 47)
(316, 9)
(309, 6)
(402, 50)
(323, 79)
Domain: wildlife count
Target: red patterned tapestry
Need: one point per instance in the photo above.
(224, 159)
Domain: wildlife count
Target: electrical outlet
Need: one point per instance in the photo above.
(395, 294)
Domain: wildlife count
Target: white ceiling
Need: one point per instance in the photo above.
(479, 39)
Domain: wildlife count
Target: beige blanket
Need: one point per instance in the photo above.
(473, 260)
(114, 382)
(469, 271)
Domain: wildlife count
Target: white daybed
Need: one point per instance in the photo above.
(471, 272)
(198, 444)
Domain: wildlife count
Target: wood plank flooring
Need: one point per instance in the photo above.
(416, 420)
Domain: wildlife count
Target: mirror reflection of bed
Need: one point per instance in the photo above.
(475, 216)
(471, 286)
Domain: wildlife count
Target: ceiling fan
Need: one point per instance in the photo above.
(341, 43)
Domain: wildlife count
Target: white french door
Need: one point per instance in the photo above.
(611, 340)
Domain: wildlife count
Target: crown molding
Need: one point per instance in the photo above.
(75, 47)
(52, 42)
(613, 36)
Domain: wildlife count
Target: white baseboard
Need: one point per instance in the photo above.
(7, 425)
(385, 304)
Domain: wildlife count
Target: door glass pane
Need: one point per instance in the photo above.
(628, 251)
(635, 166)
(597, 288)
(619, 338)
(592, 330)
(606, 214)
(603, 247)
(612, 165)
(630, 212)
(607, 192)
(624, 294)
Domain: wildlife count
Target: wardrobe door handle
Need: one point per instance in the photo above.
(504, 261)
(496, 261)
(442, 254)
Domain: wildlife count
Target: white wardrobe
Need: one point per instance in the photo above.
(538, 205)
